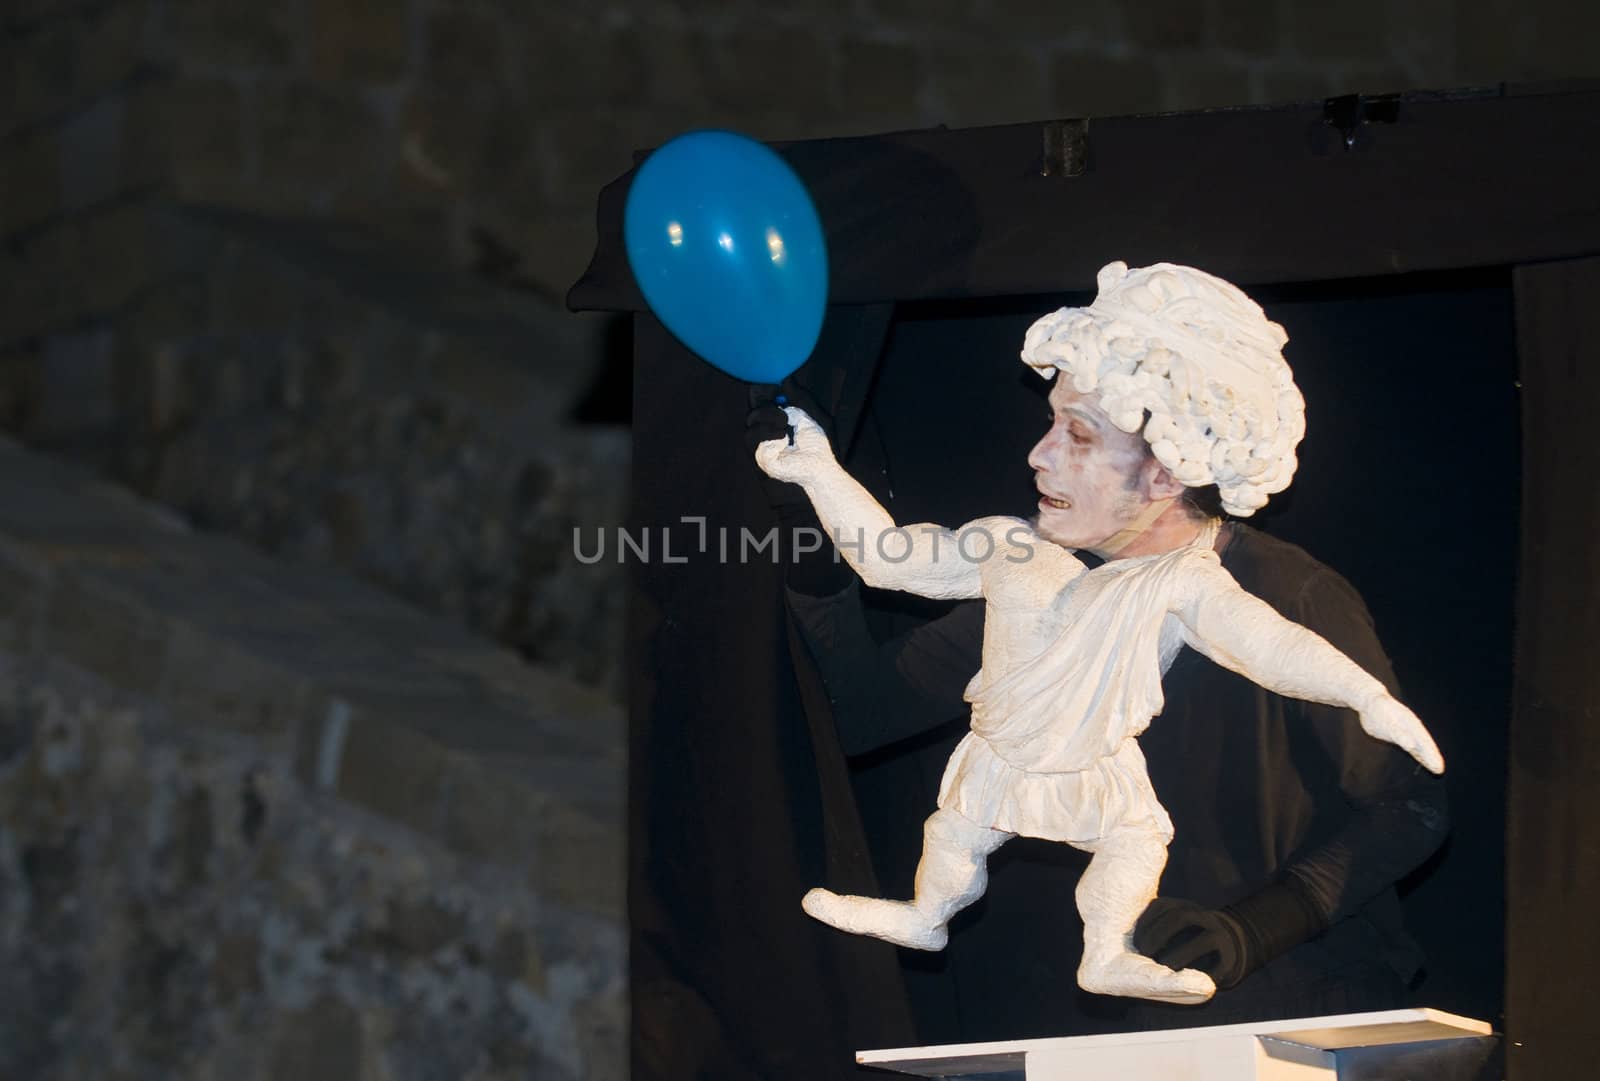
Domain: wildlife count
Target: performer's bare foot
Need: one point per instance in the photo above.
(1136, 976)
(899, 922)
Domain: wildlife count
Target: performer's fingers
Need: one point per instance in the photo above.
(766, 422)
(1148, 927)
(1162, 928)
(1202, 951)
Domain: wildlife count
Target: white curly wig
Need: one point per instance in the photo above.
(1201, 359)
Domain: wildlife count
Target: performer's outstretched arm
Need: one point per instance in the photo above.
(1246, 635)
(922, 559)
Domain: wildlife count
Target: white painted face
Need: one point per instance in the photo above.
(1088, 471)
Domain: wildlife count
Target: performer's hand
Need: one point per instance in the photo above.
(766, 422)
(1388, 720)
(796, 457)
(1181, 934)
(1229, 943)
(814, 569)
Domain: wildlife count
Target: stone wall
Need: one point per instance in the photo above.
(259, 821)
(284, 386)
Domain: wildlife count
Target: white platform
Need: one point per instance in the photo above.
(1303, 1049)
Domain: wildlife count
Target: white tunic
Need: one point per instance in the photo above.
(1052, 751)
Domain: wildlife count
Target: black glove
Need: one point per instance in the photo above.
(767, 420)
(1228, 943)
(819, 572)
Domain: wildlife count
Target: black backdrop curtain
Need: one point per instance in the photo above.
(739, 798)
(1553, 852)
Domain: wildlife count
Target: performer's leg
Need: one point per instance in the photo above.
(952, 874)
(1121, 880)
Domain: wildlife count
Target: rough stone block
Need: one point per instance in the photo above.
(29, 294)
(468, 371)
(976, 87)
(1358, 30)
(414, 221)
(880, 77)
(1501, 40)
(1374, 79)
(10, 111)
(917, 16)
(78, 268)
(40, 68)
(84, 53)
(490, 814)
(239, 36)
(446, 137)
(1166, 24)
(25, 581)
(30, 182)
(1089, 84)
(324, 1042)
(320, 138)
(89, 147)
(117, 257)
(581, 860)
(770, 69)
(556, 705)
(382, 766)
(508, 167)
(557, 247)
(461, 47)
(252, 292)
(602, 1023)
(1296, 83)
(589, 150)
(670, 54)
(77, 386)
(1201, 84)
(212, 684)
(19, 383)
(1079, 25)
(160, 388)
(116, 45)
(1248, 26)
(365, 40)
(175, 310)
(1494, 40)
(588, 63)
(195, 124)
(96, 627)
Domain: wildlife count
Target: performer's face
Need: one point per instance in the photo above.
(1090, 473)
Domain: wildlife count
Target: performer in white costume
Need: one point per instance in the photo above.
(1073, 658)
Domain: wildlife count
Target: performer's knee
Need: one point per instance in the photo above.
(951, 829)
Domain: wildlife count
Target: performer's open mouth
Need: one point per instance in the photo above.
(1052, 502)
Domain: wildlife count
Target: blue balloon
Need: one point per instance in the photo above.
(728, 252)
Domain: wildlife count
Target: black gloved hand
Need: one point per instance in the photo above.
(819, 572)
(1228, 943)
(767, 420)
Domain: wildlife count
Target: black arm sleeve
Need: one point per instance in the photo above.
(1397, 813)
(885, 692)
